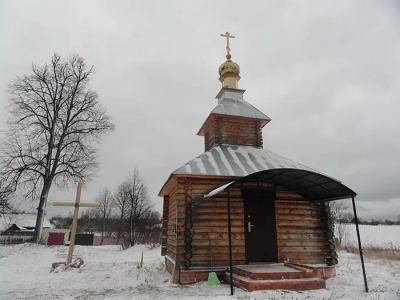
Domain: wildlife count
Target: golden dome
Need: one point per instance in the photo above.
(229, 67)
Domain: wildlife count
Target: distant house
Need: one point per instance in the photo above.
(23, 224)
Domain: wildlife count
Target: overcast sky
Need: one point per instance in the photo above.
(326, 72)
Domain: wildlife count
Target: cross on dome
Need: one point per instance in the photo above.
(228, 36)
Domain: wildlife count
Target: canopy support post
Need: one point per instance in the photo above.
(230, 241)
(359, 243)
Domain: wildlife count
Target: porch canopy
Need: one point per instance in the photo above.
(312, 186)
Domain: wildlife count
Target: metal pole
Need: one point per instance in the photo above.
(230, 242)
(359, 243)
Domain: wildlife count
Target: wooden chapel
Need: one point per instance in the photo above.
(275, 215)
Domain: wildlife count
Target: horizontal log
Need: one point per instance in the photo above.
(223, 263)
(294, 208)
(218, 210)
(217, 229)
(299, 223)
(301, 243)
(300, 230)
(217, 257)
(217, 204)
(301, 205)
(302, 256)
(218, 236)
(310, 248)
(199, 218)
(217, 243)
(295, 218)
(219, 223)
(298, 212)
(301, 236)
(199, 250)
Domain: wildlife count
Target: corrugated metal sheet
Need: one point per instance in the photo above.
(231, 160)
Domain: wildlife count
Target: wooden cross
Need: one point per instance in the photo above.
(77, 204)
(228, 36)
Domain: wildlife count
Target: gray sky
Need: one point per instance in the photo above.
(327, 73)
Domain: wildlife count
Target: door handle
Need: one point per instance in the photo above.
(249, 225)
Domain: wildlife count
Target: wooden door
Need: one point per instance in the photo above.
(260, 223)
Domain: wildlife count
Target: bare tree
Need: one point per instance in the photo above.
(89, 221)
(121, 201)
(149, 229)
(339, 213)
(105, 199)
(138, 202)
(5, 205)
(55, 119)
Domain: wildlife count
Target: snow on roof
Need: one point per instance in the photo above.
(21, 220)
(240, 161)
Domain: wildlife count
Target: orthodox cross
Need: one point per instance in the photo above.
(228, 36)
(76, 204)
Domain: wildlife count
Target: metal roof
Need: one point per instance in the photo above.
(231, 102)
(240, 161)
(312, 186)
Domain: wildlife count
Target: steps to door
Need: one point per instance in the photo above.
(273, 277)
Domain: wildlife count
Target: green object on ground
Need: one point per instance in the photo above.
(213, 279)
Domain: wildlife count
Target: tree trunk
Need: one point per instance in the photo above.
(103, 228)
(120, 227)
(41, 211)
(131, 236)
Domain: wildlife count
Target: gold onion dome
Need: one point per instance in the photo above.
(229, 67)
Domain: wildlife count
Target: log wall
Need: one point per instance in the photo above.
(209, 231)
(165, 226)
(233, 131)
(301, 230)
(171, 235)
(301, 227)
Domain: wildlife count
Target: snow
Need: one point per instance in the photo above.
(111, 273)
(380, 236)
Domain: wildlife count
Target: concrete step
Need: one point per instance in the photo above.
(250, 285)
(268, 272)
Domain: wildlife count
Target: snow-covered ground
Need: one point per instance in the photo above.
(380, 236)
(111, 273)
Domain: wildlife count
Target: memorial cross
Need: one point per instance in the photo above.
(76, 204)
